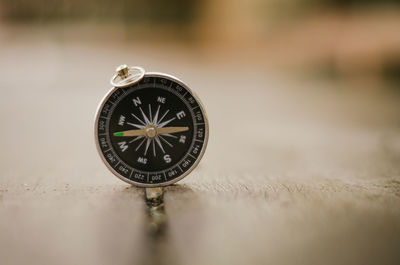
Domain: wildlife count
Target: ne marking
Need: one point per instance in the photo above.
(185, 94)
(196, 107)
(199, 124)
(199, 141)
(192, 156)
(180, 168)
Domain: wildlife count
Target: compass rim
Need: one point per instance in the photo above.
(174, 180)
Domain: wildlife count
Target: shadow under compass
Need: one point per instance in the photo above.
(139, 231)
(158, 246)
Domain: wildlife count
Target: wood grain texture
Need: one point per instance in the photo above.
(296, 171)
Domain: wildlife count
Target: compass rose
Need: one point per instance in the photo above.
(151, 130)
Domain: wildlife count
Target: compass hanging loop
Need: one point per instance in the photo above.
(127, 76)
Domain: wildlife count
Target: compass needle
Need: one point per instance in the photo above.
(168, 130)
(151, 130)
(139, 132)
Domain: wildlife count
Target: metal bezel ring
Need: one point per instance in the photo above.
(170, 182)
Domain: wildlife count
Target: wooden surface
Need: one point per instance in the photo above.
(296, 171)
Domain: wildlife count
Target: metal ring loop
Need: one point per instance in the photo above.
(135, 74)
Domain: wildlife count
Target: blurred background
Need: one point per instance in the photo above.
(303, 161)
(351, 40)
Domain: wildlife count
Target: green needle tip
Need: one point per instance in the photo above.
(118, 134)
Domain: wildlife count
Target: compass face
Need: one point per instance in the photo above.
(152, 133)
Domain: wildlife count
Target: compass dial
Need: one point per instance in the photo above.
(152, 133)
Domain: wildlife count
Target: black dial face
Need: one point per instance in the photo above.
(151, 133)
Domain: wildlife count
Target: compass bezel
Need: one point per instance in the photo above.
(168, 182)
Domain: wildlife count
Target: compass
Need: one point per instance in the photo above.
(150, 128)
